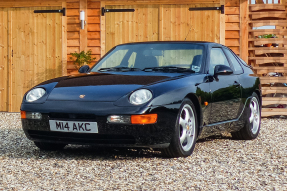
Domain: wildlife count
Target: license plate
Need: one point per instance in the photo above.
(73, 126)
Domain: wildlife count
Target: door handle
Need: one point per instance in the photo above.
(236, 84)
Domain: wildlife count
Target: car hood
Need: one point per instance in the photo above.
(102, 86)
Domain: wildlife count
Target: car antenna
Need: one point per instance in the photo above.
(188, 33)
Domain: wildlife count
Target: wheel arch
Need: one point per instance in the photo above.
(196, 103)
(259, 96)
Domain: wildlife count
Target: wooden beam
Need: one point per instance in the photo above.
(268, 69)
(64, 42)
(103, 31)
(266, 112)
(272, 90)
(165, 2)
(260, 15)
(267, 80)
(222, 25)
(31, 3)
(84, 32)
(281, 23)
(257, 7)
(244, 30)
(273, 100)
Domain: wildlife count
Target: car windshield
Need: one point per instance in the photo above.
(152, 56)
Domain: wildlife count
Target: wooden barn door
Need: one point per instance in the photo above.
(179, 23)
(36, 50)
(3, 60)
(124, 27)
(161, 22)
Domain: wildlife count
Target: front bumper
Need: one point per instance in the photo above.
(156, 135)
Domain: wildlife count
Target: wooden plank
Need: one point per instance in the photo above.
(267, 112)
(93, 12)
(94, 4)
(257, 32)
(95, 35)
(261, 15)
(273, 100)
(94, 43)
(232, 42)
(157, 2)
(73, 27)
(73, 12)
(273, 90)
(73, 42)
(232, 26)
(4, 59)
(94, 20)
(232, 3)
(222, 25)
(232, 18)
(232, 10)
(232, 34)
(73, 5)
(262, 41)
(73, 20)
(265, 51)
(267, 80)
(262, 7)
(73, 35)
(84, 32)
(30, 3)
(64, 42)
(268, 69)
(93, 27)
(244, 30)
(73, 49)
(281, 23)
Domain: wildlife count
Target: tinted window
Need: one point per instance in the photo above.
(217, 57)
(234, 61)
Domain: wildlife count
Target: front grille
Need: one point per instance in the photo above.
(81, 138)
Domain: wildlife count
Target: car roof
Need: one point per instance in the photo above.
(174, 42)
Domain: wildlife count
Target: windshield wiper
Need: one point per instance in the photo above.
(119, 69)
(168, 69)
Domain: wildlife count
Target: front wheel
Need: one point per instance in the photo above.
(252, 121)
(186, 127)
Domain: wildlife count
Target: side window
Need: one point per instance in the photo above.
(217, 57)
(234, 61)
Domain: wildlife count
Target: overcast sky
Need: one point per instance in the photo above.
(269, 1)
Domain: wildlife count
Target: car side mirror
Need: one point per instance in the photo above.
(84, 69)
(222, 70)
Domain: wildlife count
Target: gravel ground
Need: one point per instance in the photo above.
(216, 164)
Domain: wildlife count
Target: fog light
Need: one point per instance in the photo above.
(32, 115)
(119, 119)
(144, 119)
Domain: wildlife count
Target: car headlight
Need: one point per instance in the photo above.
(140, 97)
(35, 94)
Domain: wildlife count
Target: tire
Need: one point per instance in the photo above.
(49, 146)
(185, 135)
(252, 121)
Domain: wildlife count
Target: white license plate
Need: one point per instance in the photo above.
(73, 126)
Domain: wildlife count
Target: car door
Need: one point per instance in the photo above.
(225, 89)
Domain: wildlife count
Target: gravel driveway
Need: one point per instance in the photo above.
(216, 164)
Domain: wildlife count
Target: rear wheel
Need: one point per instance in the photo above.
(49, 146)
(184, 138)
(252, 121)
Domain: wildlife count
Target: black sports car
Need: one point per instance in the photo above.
(155, 94)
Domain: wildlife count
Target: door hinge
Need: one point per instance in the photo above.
(12, 53)
(115, 10)
(221, 8)
(52, 11)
